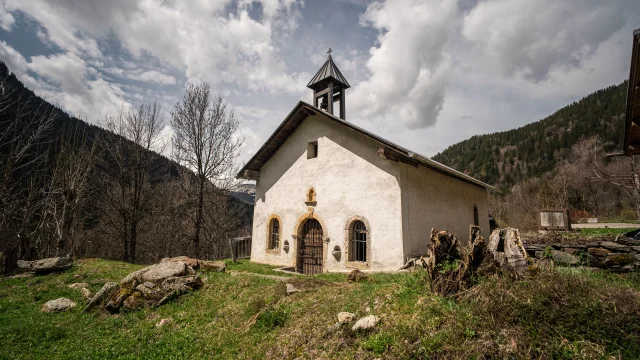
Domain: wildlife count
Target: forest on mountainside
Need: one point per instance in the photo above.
(506, 158)
(72, 188)
(557, 162)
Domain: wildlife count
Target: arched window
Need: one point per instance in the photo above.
(274, 234)
(358, 242)
(476, 219)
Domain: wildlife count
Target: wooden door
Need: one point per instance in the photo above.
(310, 249)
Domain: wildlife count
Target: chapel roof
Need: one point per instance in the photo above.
(391, 150)
(328, 71)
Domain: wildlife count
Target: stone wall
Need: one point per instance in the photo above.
(620, 255)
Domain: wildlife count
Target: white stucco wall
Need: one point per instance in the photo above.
(349, 179)
(431, 199)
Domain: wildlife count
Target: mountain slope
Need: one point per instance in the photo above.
(505, 158)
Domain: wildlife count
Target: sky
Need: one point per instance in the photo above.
(424, 73)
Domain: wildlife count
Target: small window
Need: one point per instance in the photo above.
(358, 242)
(312, 150)
(274, 235)
(476, 219)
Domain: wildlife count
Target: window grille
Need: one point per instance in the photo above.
(275, 235)
(358, 243)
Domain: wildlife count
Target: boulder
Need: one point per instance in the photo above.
(86, 293)
(150, 291)
(613, 246)
(598, 253)
(182, 284)
(78, 286)
(164, 322)
(618, 260)
(103, 293)
(56, 305)
(118, 298)
(345, 317)
(219, 266)
(157, 273)
(45, 266)
(291, 289)
(134, 301)
(356, 275)
(564, 258)
(366, 323)
(193, 263)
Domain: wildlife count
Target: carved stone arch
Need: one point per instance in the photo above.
(297, 234)
(268, 234)
(348, 230)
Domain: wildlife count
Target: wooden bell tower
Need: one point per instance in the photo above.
(328, 87)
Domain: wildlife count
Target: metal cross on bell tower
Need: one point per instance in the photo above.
(329, 86)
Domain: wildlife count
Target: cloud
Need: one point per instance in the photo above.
(153, 76)
(67, 80)
(532, 38)
(6, 19)
(410, 66)
(201, 38)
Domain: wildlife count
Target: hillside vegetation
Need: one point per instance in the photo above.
(506, 158)
(560, 313)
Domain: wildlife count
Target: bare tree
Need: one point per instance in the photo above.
(67, 188)
(204, 141)
(128, 167)
(25, 124)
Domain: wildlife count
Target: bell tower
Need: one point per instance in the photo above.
(328, 87)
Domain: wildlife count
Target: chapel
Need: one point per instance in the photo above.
(332, 197)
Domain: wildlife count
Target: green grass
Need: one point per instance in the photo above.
(562, 313)
(603, 231)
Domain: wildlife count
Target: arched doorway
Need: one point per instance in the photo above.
(310, 248)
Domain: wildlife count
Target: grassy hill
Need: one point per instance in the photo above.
(561, 313)
(508, 157)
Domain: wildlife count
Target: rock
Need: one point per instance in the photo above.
(539, 254)
(636, 248)
(134, 301)
(628, 241)
(86, 293)
(637, 257)
(56, 305)
(150, 291)
(45, 266)
(291, 289)
(78, 276)
(569, 250)
(157, 273)
(78, 286)
(617, 260)
(356, 275)
(118, 298)
(182, 283)
(366, 323)
(610, 245)
(219, 266)
(345, 317)
(164, 322)
(106, 290)
(564, 258)
(187, 260)
(598, 252)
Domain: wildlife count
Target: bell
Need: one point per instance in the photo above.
(324, 105)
